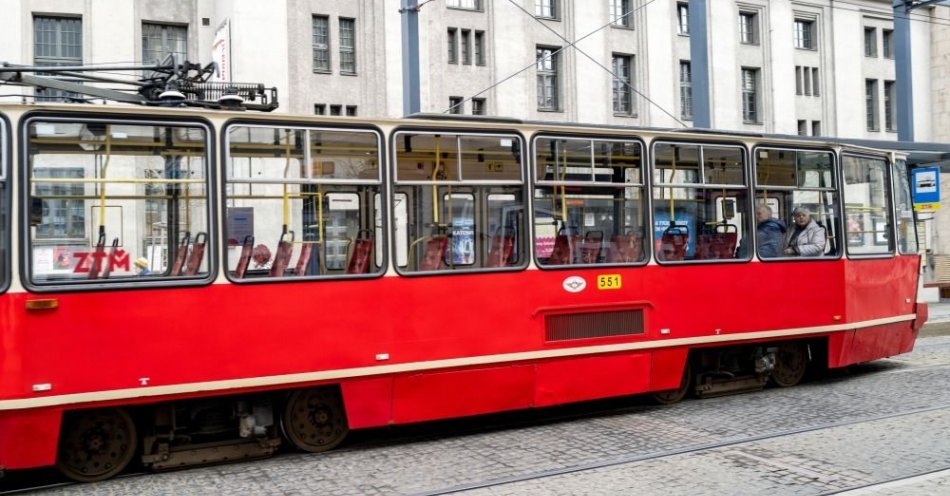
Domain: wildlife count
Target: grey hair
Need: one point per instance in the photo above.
(766, 207)
(801, 210)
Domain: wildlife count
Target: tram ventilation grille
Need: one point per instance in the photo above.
(593, 325)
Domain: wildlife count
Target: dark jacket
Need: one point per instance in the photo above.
(768, 236)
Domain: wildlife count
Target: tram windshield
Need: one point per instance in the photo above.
(4, 211)
(116, 201)
(906, 226)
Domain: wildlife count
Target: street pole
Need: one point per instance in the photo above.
(410, 57)
(699, 63)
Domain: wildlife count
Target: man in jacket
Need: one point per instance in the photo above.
(768, 233)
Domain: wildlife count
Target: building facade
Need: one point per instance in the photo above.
(815, 67)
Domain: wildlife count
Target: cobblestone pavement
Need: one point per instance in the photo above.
(842, 453)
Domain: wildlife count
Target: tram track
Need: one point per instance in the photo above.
(863, 489)
(656, 455)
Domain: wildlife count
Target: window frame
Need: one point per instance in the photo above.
(686, 90)
(890, 106)
(313, 44)
(392, 183)
(311, 126)
(838, 190)
(748, 229)
(539, 6)
(626, 84)
(893, 248)
(753, 28)
(887, 43)
(451, 36)
(644, 186)
(49, 94)
(617, 8)
(211, 251)
(756, 92)
(479, 7)
(806, 39)
(6, 249)
(870, 42)
(554, 74)
(872, 102)
(682, 18)
(351, 49)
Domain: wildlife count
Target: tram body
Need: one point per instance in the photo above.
(459, 309)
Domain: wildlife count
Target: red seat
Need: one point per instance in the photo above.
(723, 245)
(245, 258)
(107, 270)
(304, 260)
(673, 245)
(499, 251)
(435, 252)
(590, 247)
(563, 252)
(197, 254)
(285, 248)
(359, 259)
(625, 248)
(95, 265)
(181, 255)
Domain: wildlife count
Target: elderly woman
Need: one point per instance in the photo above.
(806, 238)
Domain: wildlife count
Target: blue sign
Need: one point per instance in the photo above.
(925, 185)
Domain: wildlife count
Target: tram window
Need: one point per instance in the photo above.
(4, 209)
(458, 201)
(116, 201)
(789, 179)
(906, 228)
(302, 202)
(700, 202)
(588, 201)
(867, 205)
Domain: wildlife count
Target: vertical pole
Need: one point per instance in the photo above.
(699, 63)
(410, 56)
(902, 63)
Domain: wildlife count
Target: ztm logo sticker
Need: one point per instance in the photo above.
(574, 284)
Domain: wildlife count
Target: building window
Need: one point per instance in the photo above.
(890, 101)
(546, 8)
(806, 80)
(62, 219)
(547, 66)
(464, 4)
(321, 44)
(686, 90)
(478, 106)
(161, 40)
(870, 42)
(348, 46)
(750, 95)
(887, 39)
(351, 110)
(453, 46)
(816, 128)
(802, 128)
(748, 28)
(466, 47)
(623, 93)
(682, 18)
(479, 48)
(57, 42)
(456, 105)
(798, 80)
(804, 34)
(619, 13)
(870, 99)
(335, 109)
(320, 109)
(814, 82)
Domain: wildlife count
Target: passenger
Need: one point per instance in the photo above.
(807, 239)
(769, 232)
(141, 267)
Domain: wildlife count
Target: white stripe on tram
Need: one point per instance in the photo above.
(377, 370)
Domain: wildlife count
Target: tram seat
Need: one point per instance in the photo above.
(95, 265)
(563, 252)
(362, 249)
(107, 270)
(246, 249)
(181, 255)
(435, 253)
(303, 262)
(499, 251)
(590, 247)
(673, 244)
(197, 254)
(285, 248)
(723, 245)
(624, 248)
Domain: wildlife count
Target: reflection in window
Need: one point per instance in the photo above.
(906, 227)
(117, 200)
(300, 202)
(700, 203)
(787, 180)
(459, 202)
(588, 201)
(867, 205)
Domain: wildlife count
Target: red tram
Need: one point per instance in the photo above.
(184, 286)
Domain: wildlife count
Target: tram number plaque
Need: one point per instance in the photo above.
(608, 281)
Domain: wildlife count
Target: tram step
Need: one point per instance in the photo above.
(201, 454)
(709, 387)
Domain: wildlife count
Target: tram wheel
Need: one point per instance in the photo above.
(675, 395)
(314, 419)
(791, 360)
(95, 445)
